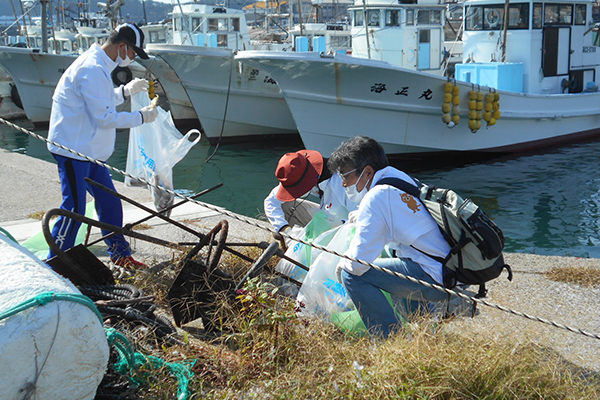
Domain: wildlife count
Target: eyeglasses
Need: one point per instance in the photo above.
(345, 174)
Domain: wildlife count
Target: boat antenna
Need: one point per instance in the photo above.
(365, 21)
(300, 17)
(44, 25)
(503, 59)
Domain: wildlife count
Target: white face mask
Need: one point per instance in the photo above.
(353, 194)
(123, 62)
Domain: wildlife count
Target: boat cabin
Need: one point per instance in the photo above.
(538, 47)
(403, 33)
(210, 26)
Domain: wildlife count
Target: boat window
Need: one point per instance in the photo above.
(340, 42)
(51, 44)
(197, 24)
(391, 18)
(66, 46)
(39, 42)
(518, 16)
(359, 18)
(373, 16)
(429, 17)
(537, 16)
(491, 17)
(223, 24)
(222, 40)
(176, 24)
(213, 24)
(558, 14)
(474, 18)
(236, 24)
(580, 14)
(410, 17)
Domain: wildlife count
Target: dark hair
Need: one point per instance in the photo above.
(358, 152)
(115, 38)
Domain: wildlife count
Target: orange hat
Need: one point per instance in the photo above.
(298, 173)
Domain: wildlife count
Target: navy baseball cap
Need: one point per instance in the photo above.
(133, 36)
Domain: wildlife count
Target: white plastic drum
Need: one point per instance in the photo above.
(53, 351)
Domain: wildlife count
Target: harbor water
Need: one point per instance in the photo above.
(545, 203)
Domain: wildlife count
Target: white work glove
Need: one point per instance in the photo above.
(338, 273)
(135, 86)
(352, 216)
(149, 114)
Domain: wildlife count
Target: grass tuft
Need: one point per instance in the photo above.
(584, 276)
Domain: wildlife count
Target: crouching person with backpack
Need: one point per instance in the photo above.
(386, 215)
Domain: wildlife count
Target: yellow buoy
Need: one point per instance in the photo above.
(492, 121)
(487, 115)
(496, 114)
(446, 107)
(446, 117)
(447, 97)
(456, 118)
(456, 100)
(456, 91)
(448, 87)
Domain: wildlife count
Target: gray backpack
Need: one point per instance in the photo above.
(476, 242)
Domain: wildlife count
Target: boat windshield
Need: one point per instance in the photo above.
(491, 17)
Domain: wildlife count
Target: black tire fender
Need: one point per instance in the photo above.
(121, 76)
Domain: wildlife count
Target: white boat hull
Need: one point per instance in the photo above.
(35, 75)
(247, 99)
(333, 99)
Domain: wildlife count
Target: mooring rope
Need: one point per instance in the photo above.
(319, 247)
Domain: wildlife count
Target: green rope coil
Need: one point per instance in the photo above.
(130, 360)
(46, 297)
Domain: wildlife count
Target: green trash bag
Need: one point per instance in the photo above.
(37, 243)
(350, 323)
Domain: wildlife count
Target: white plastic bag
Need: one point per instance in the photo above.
(321, 293)
(317, 231)
(154, 149)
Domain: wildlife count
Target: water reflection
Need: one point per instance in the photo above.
(547, 203)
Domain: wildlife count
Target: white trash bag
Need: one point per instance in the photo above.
(321, 293)
(154, 149)
(317, 231)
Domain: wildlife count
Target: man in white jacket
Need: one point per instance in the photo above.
(84, 118)
(386, 215)
(299, 174)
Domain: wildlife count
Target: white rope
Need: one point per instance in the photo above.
(272, 230)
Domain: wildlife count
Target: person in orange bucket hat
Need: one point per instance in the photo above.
(302, 173)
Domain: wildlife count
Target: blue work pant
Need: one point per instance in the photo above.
(108, 207)
(374, 309)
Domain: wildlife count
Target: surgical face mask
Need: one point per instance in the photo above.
(123, 62)
(353, 193)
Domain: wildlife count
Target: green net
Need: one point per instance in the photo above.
(129, 361)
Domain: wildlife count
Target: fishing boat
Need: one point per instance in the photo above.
(233, 102)
(36, 73)
(528, 79)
